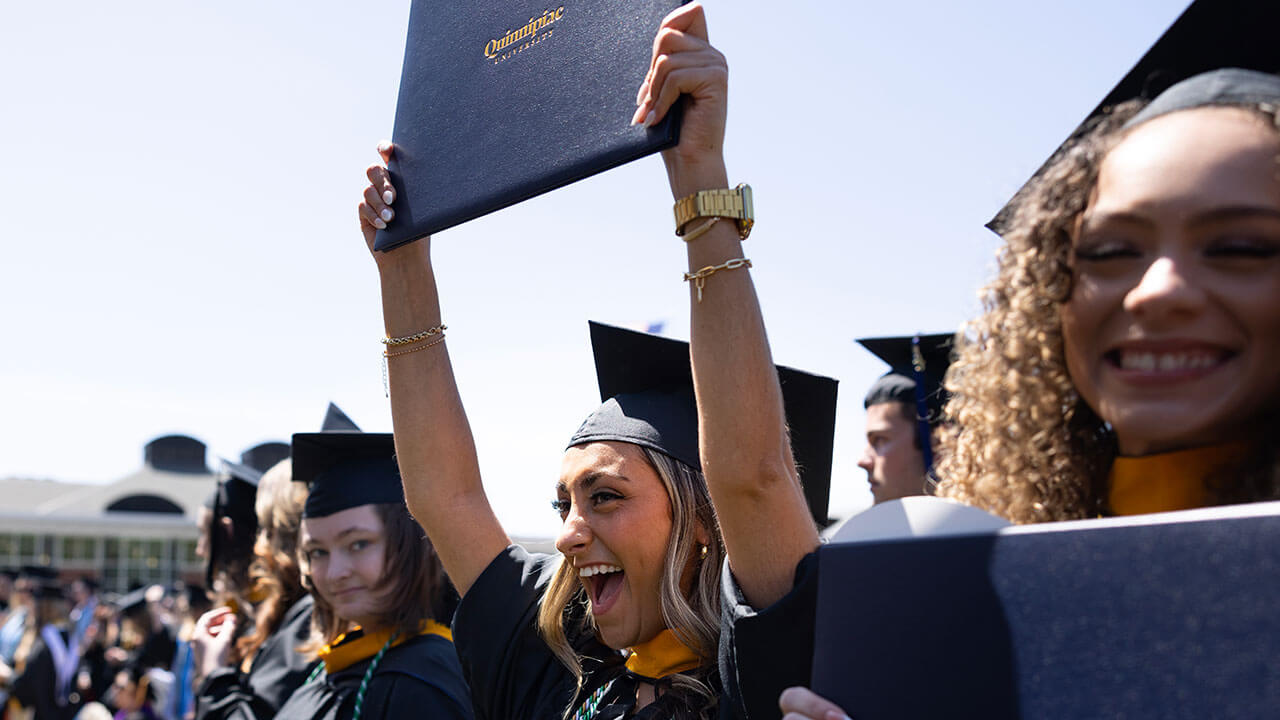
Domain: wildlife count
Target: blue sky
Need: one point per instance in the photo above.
(181, 254)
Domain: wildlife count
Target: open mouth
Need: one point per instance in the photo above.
(604, 585)
(1184, 362)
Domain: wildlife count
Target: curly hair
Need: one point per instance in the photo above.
(694, 616)
(1020, 441)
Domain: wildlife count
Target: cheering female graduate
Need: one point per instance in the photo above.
(540, 637)
(380, 596)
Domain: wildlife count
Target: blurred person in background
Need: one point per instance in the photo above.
(271, 667)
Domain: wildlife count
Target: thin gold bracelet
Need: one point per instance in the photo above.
(699, 231)
(699, 278)
(410, 339)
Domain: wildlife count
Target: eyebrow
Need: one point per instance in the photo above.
(1208, 217)
(590, 479)
(1235, 212)
(312, 542)
(1090, 221)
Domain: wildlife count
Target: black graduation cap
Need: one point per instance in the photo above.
(263, 456)
(132, 601)
(917, 366)
(346, 469)
(647, 387)
(234, 498)
(43, 581)
(335, 419)
(1209, 34)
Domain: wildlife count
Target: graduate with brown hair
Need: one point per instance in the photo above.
(381, 599)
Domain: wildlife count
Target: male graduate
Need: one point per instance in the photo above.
(903, 408)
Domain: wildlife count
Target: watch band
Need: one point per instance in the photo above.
(733, 203)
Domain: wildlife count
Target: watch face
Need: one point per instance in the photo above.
(748, 205)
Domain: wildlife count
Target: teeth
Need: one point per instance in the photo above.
(1166, 362)
(598, 570)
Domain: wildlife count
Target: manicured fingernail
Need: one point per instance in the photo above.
(387, 214)
(377, 222)
(387, 197)
(635, 119)
(651, 118)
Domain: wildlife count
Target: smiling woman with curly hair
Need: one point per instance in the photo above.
(1127, 359)
(1127, 325)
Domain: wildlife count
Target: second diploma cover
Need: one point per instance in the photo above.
(503, 100)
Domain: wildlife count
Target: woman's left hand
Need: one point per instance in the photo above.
(800, 703)
(685, 63)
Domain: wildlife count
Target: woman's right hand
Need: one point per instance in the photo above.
(799, 703)
(211, 640)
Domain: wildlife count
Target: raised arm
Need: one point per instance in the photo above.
(434, 445)
(746, 455)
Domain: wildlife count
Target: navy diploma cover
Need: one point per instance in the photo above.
(1161, 616)
(503, 100)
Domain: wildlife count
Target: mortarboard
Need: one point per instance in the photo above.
(1210, 34)
(346, 469)
(335, 419)
(43, 581)
(234, 499)
(647, 387)
(917, 366)
(132, 601)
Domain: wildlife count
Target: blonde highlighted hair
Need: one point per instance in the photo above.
(694, 617)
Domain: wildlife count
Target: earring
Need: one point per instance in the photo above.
(703, 554)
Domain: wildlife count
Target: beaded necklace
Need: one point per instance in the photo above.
(364, 681)
(588, 709)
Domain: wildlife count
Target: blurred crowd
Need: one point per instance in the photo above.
(71, 649)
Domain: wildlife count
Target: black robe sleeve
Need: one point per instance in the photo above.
(512, 673)
(765, 652)
(277, 671)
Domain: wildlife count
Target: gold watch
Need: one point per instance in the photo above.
(735, 204)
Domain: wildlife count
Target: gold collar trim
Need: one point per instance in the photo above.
(1166, 481)
(350, 648)
(662, 656)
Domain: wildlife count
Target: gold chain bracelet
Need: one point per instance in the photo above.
(409, 339)
(699, 278)
(437, 341)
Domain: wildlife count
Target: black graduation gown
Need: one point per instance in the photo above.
(277, 671)
(157, 649)
(512, 672)
(36, 687)
(767, 651)
(419, 678)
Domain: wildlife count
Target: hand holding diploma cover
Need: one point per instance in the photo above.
(1168, 615)
(502, 101)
